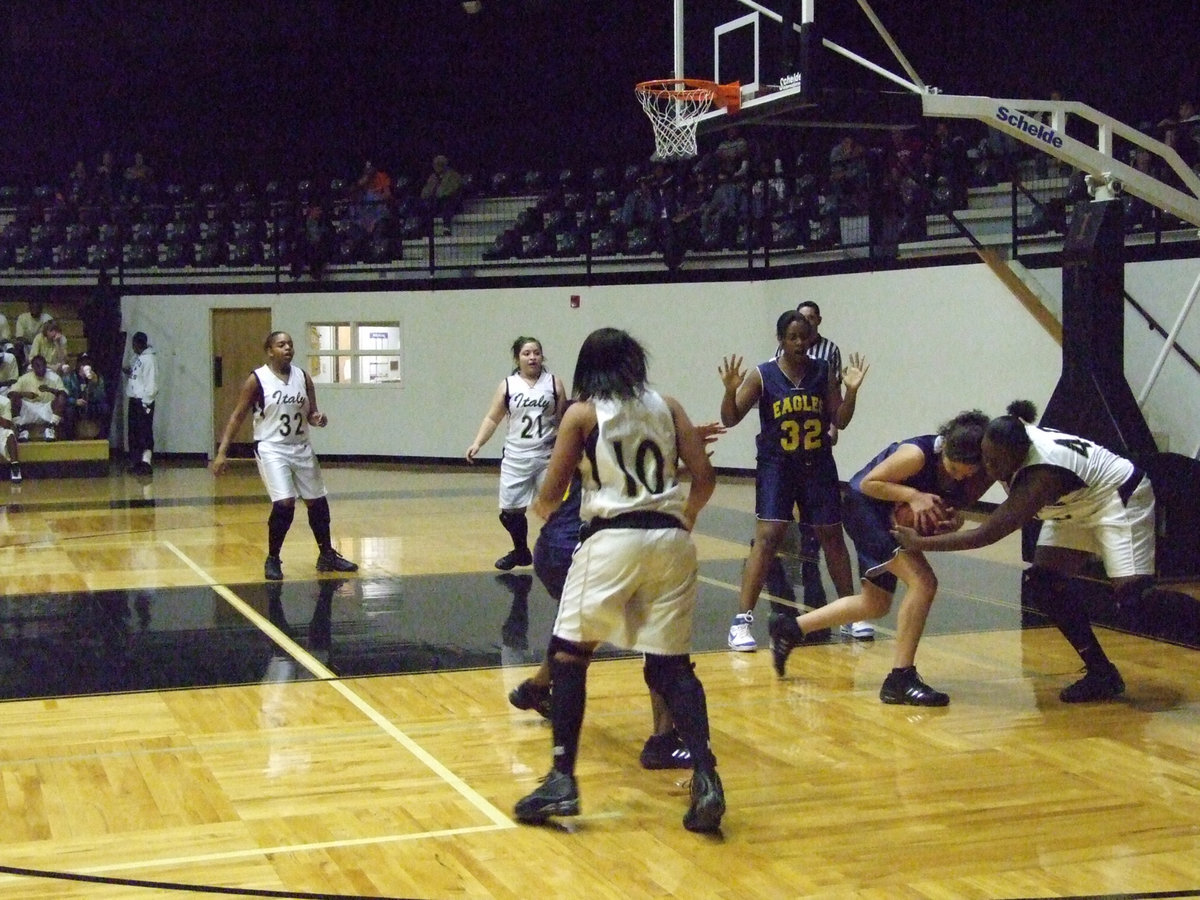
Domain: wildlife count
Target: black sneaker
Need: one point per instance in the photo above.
(558, 796)
(514, 558)
(1102, 684)
(273, 569)
(14, 473)
(528, 695)
(708, 803)
(908, 689)
(665, 751)
(332, 561)
(785, 637)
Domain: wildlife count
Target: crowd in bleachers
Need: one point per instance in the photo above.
(740, 193)
(47, 388)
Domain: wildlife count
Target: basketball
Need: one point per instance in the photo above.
(902, 515)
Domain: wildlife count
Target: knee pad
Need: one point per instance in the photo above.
(665, 674)
(318, 511)
(282, 512)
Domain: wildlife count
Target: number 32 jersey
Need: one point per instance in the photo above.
(793, 420)
(282, 419)
(630, 460)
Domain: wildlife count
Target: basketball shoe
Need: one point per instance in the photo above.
(558, 796)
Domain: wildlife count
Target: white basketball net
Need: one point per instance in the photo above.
(674, 112)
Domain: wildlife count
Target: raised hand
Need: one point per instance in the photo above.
(731, 372)
(853, 374)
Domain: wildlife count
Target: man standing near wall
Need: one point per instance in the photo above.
(141, 389)
(814, 593)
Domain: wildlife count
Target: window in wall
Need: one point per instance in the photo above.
(355, 353)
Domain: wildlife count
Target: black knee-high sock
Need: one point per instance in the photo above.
(568, 696)
(1068, 611)
(517, 527)
(278, 524)
(318, 521)
(684, 695)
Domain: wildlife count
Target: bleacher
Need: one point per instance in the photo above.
(60, 458)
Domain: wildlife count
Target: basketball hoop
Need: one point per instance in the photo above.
(675, 106)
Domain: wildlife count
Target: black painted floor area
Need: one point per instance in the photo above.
(115, 641)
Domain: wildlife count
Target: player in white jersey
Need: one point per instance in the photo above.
(533, 400)
(632, 580)
(1092, 503)
(284, 401)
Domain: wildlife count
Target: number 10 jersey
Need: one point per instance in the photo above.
(630, 460)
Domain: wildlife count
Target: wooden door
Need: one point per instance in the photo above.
(237, 342)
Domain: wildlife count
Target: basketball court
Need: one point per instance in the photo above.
(174, 725)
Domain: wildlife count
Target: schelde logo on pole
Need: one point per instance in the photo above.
(789, 81)
(1031, 127)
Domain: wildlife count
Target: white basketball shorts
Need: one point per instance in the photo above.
(1121, 534)
(633, 588)
(289, 471)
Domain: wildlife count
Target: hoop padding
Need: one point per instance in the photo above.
(674, 107)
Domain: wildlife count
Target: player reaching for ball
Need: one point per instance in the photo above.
(935, 475)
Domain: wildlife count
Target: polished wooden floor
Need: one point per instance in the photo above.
(171, 727)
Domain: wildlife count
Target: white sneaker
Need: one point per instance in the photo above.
(859, 630)
(49, 434)
(740, 638)
(23, 435)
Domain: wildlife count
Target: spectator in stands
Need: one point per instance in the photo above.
(638, 209)
(78, 187)
(733, 153)
(138, 178)
(372, 194)
(51, 344)
(312, 242)
(442, 193)
(720, 216)
(904, 182)
(848, 176)
(141, 389)
(768, 199)
(8, 440)
(1181, 132)
(10, 367)
(29, 325)
(38, 398)
(5, 329)
(946, 158)
(107, 181)
(87, 400)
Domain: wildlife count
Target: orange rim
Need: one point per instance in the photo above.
(728, 95)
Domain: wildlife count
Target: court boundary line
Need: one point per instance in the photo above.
(321, 673)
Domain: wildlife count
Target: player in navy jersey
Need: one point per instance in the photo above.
(533, 400)
(814, 593)
(1092, 503)
(937, 475)
(797, 401)
(633, 578)
(284, 401)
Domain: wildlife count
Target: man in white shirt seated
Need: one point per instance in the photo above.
(10, 368)
(38, 398)
(8, 440)
(51, 344)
